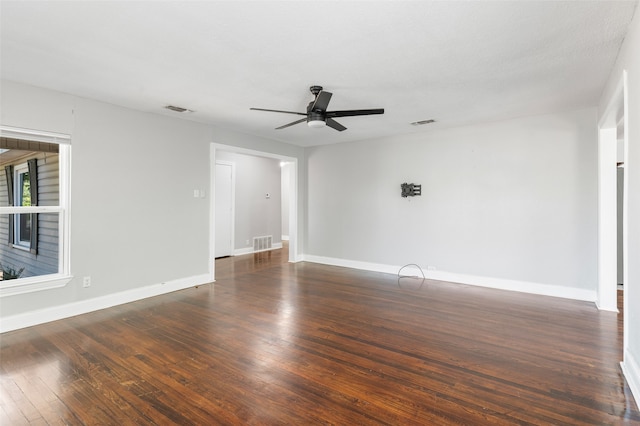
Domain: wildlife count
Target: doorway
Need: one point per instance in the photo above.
(292, 211)
(612, 220)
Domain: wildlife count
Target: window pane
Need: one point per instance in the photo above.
(24, 229)
(48, 178)
(14, 260)
(25, 190)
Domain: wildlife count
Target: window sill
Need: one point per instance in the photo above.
(32, 284)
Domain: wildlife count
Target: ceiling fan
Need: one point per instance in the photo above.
(317, 114)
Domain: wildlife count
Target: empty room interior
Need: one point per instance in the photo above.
(335, 212)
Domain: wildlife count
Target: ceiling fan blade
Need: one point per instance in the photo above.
(354, 112)
(276, 110)
(302, 120)
(335, 125)
(322, 101)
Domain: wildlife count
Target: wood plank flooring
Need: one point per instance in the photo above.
(299, 344)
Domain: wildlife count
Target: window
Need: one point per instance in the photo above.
(34, 205)
(22, 194)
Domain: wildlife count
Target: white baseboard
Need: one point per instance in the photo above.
(240, 252)
(607, 308)
(285, 238)
(355, 264)
(631, 370)
(55, 313)
(249, 250)
(497, 283)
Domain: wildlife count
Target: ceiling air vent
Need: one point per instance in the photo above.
(421, 122)
(178, 109)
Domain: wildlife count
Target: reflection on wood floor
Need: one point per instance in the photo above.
(235, 265)
(278, 343)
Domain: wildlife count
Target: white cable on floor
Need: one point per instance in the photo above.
(411, 276)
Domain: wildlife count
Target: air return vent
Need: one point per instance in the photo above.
(262, 243)
(178, 109)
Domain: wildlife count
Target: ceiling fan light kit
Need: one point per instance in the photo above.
(316, 124)
(317, 115)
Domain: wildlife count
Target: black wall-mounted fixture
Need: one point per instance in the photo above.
(410, 189)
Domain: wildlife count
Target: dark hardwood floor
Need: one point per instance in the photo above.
(299, 344)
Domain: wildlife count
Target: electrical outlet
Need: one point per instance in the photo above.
(431, 268)
(247, 243)
(86, 282)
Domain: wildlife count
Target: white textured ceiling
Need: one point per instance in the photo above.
(455, 62)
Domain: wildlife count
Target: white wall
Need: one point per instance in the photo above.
(255, 214)
(136, 228)
(629, 60)
(132, 207)
(514, 200)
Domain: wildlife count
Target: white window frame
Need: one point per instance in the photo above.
(17, 191)
(63, 276)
